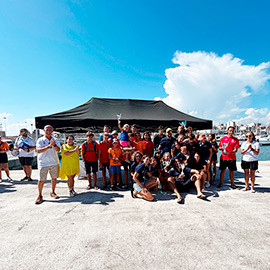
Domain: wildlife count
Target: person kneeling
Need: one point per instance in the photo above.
(140, 183)
(186, 178)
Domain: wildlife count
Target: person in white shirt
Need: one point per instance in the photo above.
(26, 146)
(250, 150)
(47, 148)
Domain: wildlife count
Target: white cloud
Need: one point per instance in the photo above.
(215, 87)
(12, 128)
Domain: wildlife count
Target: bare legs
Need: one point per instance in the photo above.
(172, 186)
(252, 178)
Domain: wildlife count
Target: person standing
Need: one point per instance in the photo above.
(250, 150)
(47, 148)
(70, 163)
(90, 158)
(229, 146)
(4, 148)
(158, 137)
(103, 155)
(26, 146)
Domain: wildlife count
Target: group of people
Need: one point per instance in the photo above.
(177, 163)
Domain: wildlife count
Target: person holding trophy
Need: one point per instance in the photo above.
(229, 146)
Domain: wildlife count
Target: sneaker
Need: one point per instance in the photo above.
(74, 192)
(9, 179)
(88, 187)
(25, 178)
(39, 200)
(253, 191)
(207, 185)
(104, 187)
(29, 178)
(71, 194)
(53, 195)
(219, 185)
(233, 186)
(113, 188)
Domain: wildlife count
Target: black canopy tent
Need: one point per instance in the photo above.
(97, 112)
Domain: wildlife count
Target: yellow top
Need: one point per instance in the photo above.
(69, 164)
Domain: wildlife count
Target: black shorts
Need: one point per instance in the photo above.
(3, 158)
(89, 165)
(126, 165)
(184, 186)
(251, 165)
(230, 164)
(26, 161)
(104, 166)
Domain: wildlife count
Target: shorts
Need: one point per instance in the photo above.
(104, 166)
(43, 172)
(115, 169)
(126, 165)
(251, 165)
(124, 143)
(137, 187)
(214, 157)
(3, 158)
(183, 186)
(230, 164)
(26, 161)
(89, 165)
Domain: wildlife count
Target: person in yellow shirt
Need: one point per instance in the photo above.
(70, 163)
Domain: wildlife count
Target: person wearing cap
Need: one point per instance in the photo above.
(167, 142)
(206, 152)
(106, 129)
(90, 158)
(115, 154)
(104, 161)
(4, 148)
(115, 136)
(159, 136)
(26, 146)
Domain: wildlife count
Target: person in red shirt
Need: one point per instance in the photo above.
(229, 146)
(149, 145)
(104, 161)
(4, 148)
(115, 154)
(90, 158)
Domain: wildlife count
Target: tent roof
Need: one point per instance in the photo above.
(97, 112)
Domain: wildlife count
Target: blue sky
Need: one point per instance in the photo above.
(56, 55)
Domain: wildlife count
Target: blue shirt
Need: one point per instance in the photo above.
(142, 170)
(166, 144)
(123, 136)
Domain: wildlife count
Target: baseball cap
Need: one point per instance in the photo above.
(168, 130)
(114, 141)
(114, 132)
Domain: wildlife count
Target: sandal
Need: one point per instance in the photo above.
(201, 196)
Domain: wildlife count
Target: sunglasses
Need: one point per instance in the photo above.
(248, 136)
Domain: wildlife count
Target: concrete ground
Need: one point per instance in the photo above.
(110, 230)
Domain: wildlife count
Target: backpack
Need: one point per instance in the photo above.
(85, 147)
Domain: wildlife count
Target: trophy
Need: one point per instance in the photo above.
(119, 115)
(225, 152)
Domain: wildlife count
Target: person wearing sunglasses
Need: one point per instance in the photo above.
(250, 150)
(26, 146)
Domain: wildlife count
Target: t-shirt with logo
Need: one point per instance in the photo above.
(90, 153)
(115, 153)
(229, 143)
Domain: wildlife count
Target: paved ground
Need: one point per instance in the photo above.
(110, 230)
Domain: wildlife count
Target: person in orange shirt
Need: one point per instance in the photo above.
(115, 154)
(149, 145)
(4, 148)
(138, 143)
